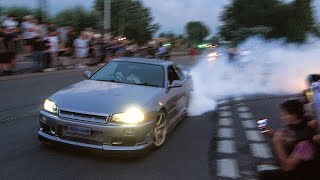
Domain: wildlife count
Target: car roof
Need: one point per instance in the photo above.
(144, 60)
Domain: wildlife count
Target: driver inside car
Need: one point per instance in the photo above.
(127, 74)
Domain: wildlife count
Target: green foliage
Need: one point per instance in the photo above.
(168, 35)
(270, 18)
(196, 31)
(99, 6)
(18, 12)
(129, 18)
(214, 40)
(78, 18)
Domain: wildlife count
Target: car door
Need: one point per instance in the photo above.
(183, 90)
(173, 95)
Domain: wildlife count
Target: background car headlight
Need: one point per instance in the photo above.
(50, 106)
(131, 116)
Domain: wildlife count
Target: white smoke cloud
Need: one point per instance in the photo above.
(316, 8)
(271, 68)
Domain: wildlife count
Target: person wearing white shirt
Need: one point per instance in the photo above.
(81, 46)
(10, 23)
(29, 33)
(11, 33)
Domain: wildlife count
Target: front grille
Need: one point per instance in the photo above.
(83, 117)
(96, 137)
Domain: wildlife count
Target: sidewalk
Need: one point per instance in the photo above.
(24, 65)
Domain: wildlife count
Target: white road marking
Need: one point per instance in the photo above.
(249, 124)
(223, 101)
(241, 104)
(243, 109)
(226, 133)
(239, 98)
(260, 150)
(225, 113)
(245, 115)
(227, 147)
(224, 108)
(228, 168)
(266, 167)
(225, 122)
(254, 136)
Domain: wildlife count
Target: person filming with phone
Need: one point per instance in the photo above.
(293, 146)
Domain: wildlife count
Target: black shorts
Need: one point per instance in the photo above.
(11, 36)
(28, 42)
(7, 57)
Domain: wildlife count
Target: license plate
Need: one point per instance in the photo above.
(79, 130)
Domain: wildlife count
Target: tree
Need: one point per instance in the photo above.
(214, 40)
(302, 21)
(168, 35)
(20, 12)
(269, 18)
(129, 18)
(78, 18)
(196, 31)
(241, 20)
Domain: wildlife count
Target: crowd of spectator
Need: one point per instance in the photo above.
(52, 47)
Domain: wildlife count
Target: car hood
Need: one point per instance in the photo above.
(102, 98)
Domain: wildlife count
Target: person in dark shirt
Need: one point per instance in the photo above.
(69, 49)
(7, 53)
(293, 146)
(38, 48)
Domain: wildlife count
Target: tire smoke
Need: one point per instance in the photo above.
(261, 67)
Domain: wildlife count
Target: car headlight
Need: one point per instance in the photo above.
(50, 106)
(131, 116)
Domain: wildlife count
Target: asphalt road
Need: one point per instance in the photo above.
(193, 150)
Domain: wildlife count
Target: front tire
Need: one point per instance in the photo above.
(160, 130)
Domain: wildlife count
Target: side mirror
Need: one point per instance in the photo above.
(186, 73)
(87, 74)
(175, 84)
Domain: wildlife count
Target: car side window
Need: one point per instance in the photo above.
(172, 75)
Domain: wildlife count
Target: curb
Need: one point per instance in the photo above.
(180, 54)
(40, 74)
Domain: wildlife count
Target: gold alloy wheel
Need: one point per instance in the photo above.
(161, 129)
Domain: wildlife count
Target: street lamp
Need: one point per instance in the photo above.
(107, 16)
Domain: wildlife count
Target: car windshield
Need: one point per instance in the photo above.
(131, 73)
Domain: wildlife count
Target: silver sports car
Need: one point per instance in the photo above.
(129, 104)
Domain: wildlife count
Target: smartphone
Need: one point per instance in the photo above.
(262, 124)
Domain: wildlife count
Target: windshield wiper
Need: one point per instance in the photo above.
(147, 84)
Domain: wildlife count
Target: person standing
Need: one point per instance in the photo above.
(68, 51)
(53, 43)
(38, 48)
(28, 35)
(81, 46)
(162, 51)
(7, 54)
(193, 52)
(10, 29)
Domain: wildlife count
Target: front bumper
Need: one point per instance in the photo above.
(108, 137)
